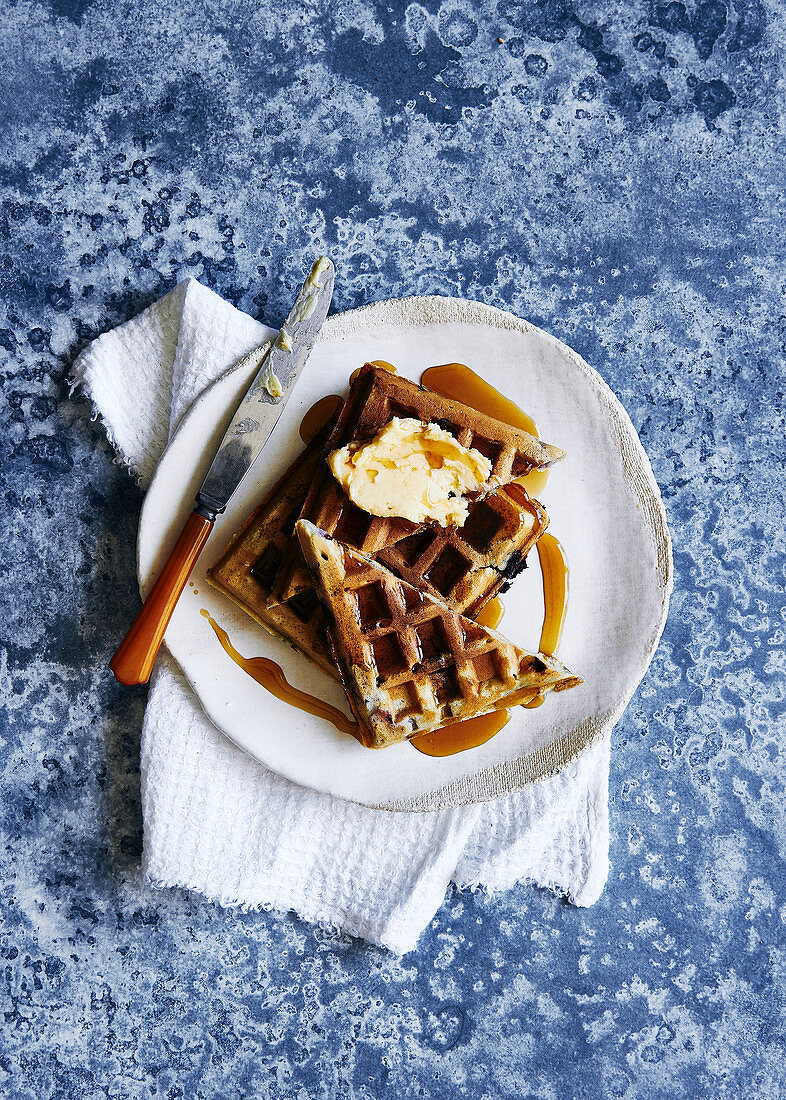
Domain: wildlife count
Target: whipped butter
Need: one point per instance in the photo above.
(413, 470)
(284, 340)
(307, 300)
(271, 384)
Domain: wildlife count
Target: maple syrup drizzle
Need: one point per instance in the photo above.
(490, 614)
(319, 416)
(461, 735)
(554, 571)
(270, 676)
(554, 567)
(458, 382)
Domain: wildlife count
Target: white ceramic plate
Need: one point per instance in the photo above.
(604, 507)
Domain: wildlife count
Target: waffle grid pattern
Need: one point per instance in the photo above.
(409, 662)
(444, 562)
(466, 566)
(434, 661)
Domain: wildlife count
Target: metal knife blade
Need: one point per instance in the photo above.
(271, 388)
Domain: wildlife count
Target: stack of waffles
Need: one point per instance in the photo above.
(388, 606)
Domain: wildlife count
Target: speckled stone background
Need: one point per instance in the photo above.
(611, 171)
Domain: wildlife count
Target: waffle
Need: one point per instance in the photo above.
(408, 663)
(465, 566)
(375, 397)
(250, 565)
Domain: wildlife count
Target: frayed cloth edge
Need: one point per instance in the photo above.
(551, 886)
(78, 380)
(227, 901)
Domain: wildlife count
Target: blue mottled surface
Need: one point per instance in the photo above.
(613, 172)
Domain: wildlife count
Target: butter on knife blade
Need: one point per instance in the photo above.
(258, 412)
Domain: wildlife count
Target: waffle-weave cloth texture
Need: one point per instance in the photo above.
(219, 823)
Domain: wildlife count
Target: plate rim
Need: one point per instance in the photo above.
(505, 777)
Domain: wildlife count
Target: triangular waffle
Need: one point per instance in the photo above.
(375, 397)
(408, 663)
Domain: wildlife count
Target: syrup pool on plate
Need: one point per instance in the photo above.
(319, 416)
(271, 676)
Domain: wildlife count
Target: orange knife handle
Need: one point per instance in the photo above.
(133, 660)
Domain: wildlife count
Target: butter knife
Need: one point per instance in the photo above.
(249, 430)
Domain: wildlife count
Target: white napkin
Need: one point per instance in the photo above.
(218, 822)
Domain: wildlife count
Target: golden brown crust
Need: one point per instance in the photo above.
(408, 662)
